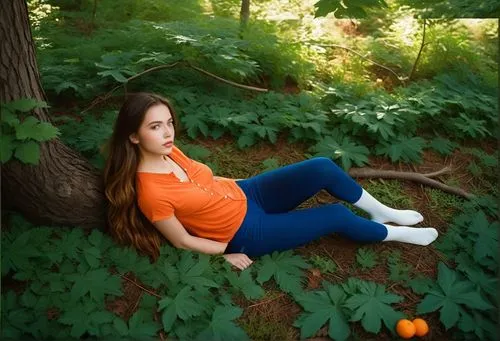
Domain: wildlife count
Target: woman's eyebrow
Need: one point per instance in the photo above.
(154, 122)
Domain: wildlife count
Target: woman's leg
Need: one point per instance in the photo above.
(262, 233)
(283, 189)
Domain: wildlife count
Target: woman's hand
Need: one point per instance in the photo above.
(239, 260)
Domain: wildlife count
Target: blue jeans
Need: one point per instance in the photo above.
(272, 224)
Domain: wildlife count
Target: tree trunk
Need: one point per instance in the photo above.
(244, 14)
(64, 188)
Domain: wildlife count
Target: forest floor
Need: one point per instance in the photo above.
(272, 317)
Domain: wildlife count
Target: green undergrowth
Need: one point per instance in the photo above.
(67, 272)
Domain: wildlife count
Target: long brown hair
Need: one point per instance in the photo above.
(126, 223)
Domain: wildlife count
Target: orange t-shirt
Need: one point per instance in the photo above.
(207, 207)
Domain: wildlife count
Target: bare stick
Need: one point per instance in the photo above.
(138, 285)
(166, 66)
(414, 68)
(417, 177)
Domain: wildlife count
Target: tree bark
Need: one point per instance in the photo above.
(64, 188)
(244, 15)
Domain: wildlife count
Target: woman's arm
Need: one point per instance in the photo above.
(176, 233)
(203, 245)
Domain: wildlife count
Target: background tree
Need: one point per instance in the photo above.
(64, 188)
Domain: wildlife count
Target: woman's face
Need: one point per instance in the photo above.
(156, 134)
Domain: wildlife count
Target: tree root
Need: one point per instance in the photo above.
(416, 177)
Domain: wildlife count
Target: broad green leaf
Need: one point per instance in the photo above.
(366, 258)
(449, 293)
(184, 306)
(407, 149)
(25, 104)
(141, 326)
(7, 145)
(245, 283)
(442, 145)
(270, 164)
(116, 74)
(347, 151)
(486, 243)
(27, 128)
(9, 117)
(286, 269)
(222, 327)
(372, 305)
(97, 282)
(28, 152)
(195, 124)
(191, 272)
(120, 326)
(45, 131)
(246, 140)
(323, 306)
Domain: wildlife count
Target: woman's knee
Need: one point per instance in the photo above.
(323, 164)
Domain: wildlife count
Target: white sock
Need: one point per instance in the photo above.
(381, 213)
(412, 235)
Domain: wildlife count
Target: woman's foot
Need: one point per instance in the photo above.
(412, 235)
(381, 213)
(399, 217)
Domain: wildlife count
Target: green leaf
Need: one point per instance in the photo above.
(191, 272)
(442, 145)
(486, 243)
(402, 149)
(321, 306)
(347, 151)
(27, 128)
(93, 256)
(9, 117)
(120, 326)
(25, 104)
(7, 145)
(366, 258)
(245, 283)
(246, 140)
(420, 285)
(184, 305)
(97, 283)
(28, 152)
(195, 124)
(222, 327)
(286, 269)
(372, 305)
(449, 295)
(116, 74)
(141, 325)
(45, 131)
(270, 164)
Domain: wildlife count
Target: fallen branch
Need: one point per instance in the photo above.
(167, 66)
(417, 177)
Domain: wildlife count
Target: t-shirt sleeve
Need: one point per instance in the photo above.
(162, 209)
(155, 209)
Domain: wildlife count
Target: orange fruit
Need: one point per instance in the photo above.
(405, 328)
(421, 327)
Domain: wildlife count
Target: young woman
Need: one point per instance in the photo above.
(156, 192)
